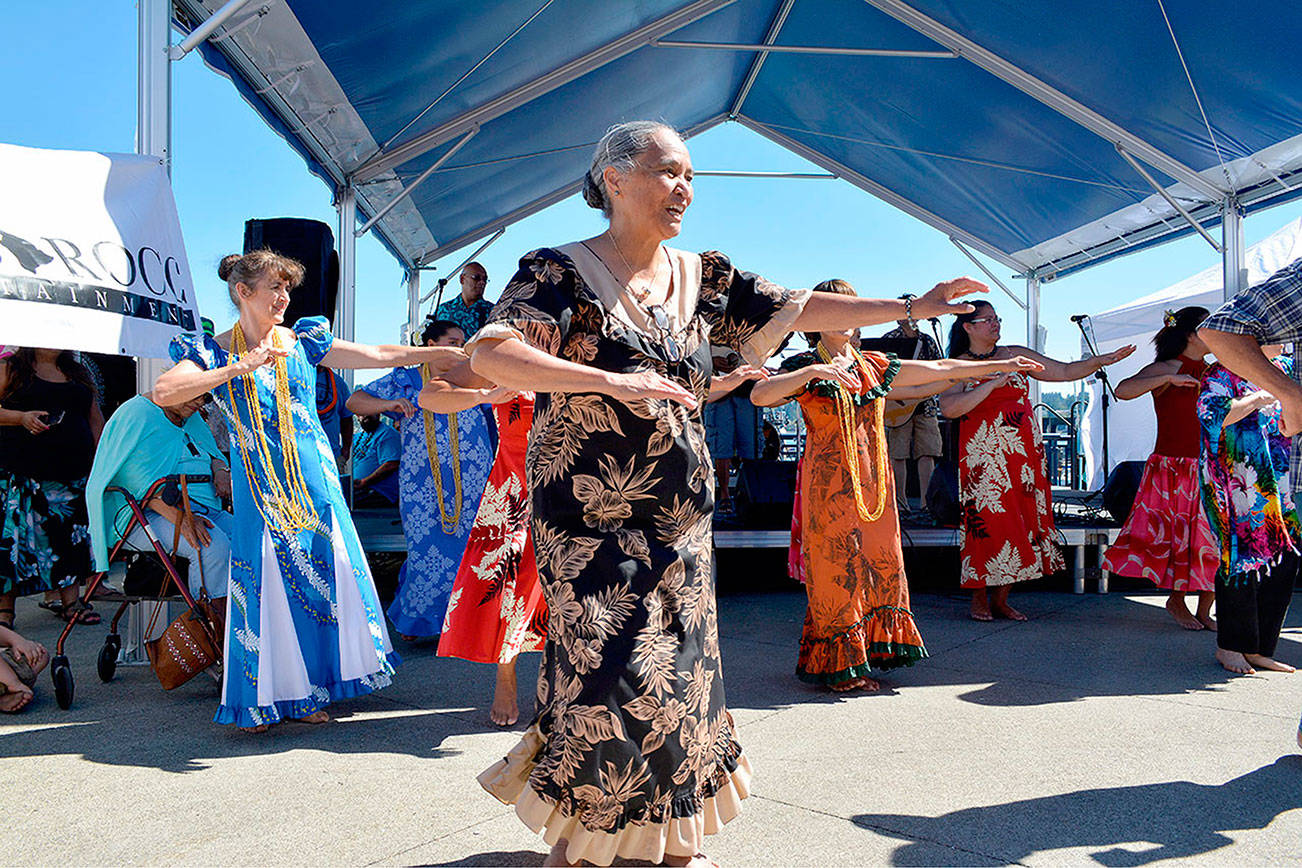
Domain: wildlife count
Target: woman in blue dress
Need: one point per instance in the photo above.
(303, 621)
(437, 511)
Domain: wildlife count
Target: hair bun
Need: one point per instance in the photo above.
(592, 194)
(227, 265)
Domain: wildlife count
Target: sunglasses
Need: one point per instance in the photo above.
(673, 349)
(993, 319)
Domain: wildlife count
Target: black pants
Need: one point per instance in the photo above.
(1250, 612)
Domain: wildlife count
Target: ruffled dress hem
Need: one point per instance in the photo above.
(250, 716)
(886, 638)
(508, 781)
(421, 628)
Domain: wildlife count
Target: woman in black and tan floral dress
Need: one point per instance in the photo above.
(633, 753)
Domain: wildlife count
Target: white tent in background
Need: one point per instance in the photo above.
(1132, 427)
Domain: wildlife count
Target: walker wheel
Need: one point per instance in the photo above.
(107, 664)
(61, 672)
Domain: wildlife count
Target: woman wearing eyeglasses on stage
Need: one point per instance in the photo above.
(633, 753)
(303, 622)
(1007, 533)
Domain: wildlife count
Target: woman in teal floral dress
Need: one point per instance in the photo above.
(1249, 503)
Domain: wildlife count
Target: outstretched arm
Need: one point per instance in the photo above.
(1154, 377)
(347, 354)
(958, 401)
(944, 371)
(826, 311)
(1061, 372)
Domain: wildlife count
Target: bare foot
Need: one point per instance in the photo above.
(700, 860)
(505, 710)
(1207, 621)
(15, 699)
(1234, 662)
(1262, 662)
(255, 730)
(557, 855)
(1007, 611)
(315, 718)
(860, 683)
(1178, 610)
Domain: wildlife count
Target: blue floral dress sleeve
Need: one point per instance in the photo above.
(314, 334)
(197, 348)
(398, 384)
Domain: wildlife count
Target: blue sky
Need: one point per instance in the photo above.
(70, 67)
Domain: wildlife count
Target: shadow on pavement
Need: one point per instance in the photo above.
(1158, 821)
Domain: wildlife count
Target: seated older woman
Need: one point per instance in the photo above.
(142, 443)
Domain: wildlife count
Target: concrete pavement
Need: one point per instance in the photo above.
(1097, 733)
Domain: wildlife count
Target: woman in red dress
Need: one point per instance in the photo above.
(496, 609)
(1167, 539)
(1007, 533)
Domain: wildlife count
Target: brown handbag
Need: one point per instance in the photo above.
(193, 641)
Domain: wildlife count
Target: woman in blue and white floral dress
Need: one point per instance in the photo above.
(437, 514)
(303, 621)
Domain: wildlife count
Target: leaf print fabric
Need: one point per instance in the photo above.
(1006, 534)
(633, 752)
(44, 534)
(497, 608)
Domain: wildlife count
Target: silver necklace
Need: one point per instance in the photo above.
(642, 294)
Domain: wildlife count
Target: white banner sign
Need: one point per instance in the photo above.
(91, 256)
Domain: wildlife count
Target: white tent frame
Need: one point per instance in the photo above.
(156, 54)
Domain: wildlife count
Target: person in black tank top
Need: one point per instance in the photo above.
(50, 422)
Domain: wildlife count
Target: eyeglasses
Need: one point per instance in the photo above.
(993, 319)
(673, 349)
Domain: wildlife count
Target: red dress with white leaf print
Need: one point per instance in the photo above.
(1167, 539)
(1007, 533)
(497, 609)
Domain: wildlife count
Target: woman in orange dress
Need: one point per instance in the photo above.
(496, 610)
(1167, 538)
(1007, 533)
(858, 617)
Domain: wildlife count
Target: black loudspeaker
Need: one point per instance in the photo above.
(942, 494)
(310, 242)
(1120, 489)
(766, 492)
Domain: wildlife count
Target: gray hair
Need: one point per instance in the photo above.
(619, 147)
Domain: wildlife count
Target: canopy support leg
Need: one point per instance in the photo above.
(345, 305)
(1034, 339)
(413, 304)
(1233, 265)
(153, 117)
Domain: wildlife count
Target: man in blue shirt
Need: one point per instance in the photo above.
(468, 309)
(331, 394)
(377, 452)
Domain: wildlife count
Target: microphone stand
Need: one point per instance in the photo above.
(1108, 394)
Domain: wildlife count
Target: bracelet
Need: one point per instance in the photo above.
(908, 310)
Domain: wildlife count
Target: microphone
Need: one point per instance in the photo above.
(1080, 317)
(932, 319)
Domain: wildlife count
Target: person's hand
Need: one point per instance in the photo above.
(1117, 355)
(743, 374)
(34, 421)
(834, 373)
(221, 481)
(499, 395)
(633, 387)
(1181, 381)
(33, 653)
(994, 382)
(404, 408)
(1290, 422)
(940, 299)
(1019, 364)
(1259, 400)
(259, 356)
(195, 530)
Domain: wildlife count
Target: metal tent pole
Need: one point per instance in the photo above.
(413, 303)
(346, 304)
(1234, 269)
(153, 117)
(1033, 333)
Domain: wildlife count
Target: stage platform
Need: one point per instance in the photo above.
(1080, 521)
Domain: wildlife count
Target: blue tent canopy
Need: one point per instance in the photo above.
(1030, 130)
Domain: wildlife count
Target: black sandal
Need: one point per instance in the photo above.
(81, 612)
(54, 607)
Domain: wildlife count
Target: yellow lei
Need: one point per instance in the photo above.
(288, 508)
(449, 521)
(845, 412)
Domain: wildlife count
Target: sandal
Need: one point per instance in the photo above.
(81, 612)
(54, 607)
